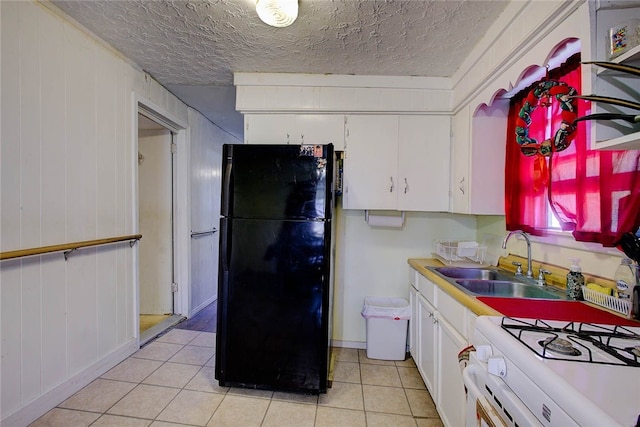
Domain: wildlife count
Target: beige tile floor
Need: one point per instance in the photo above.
(170, 382)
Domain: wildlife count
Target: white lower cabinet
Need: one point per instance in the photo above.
(450, 399)
(441, 327)
(413, 329)
(427, 352)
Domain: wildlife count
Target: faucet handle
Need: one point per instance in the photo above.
(518, 268)
(541, 278)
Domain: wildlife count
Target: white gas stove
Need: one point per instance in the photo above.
(527, 372)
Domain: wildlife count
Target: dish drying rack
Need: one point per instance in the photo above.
(460, 251)
(618, 305)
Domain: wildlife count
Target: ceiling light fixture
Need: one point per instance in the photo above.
(277, 13)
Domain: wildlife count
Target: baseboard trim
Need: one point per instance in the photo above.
(160, 328)
(349, 344)
(52, 398)
(202, 306)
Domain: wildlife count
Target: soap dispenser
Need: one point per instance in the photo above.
(625, 278)
(575, 280)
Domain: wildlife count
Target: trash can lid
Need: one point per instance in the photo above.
(387, 308)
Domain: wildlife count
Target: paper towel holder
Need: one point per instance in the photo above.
(392, 221)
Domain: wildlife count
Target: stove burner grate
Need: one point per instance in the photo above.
(580, 334)
(559, 346)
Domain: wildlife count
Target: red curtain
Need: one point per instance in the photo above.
(594, 194)
(525, 202)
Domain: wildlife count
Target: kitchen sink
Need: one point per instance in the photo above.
(509, 289)
(495, 283)
(470, 273)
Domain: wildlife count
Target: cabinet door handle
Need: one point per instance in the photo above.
(391, 186)
(406, 186)
(462, 185)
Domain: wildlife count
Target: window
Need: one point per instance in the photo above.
(593, 194)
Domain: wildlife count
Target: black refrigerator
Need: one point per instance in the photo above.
(275, 273)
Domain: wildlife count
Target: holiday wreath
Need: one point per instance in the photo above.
(562, 137)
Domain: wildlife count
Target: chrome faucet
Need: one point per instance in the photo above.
(526, 237)
(542, 281)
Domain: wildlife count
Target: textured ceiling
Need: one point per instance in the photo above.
(193, 47)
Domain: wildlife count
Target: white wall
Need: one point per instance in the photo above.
(206, 162)
(67, 175)
(557, 249)
(372, 261)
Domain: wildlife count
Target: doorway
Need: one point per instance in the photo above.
(156, 177)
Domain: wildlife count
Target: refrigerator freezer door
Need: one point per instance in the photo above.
(277, 181)
(273, 304)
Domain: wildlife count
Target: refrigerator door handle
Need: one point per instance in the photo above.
(226, 247)
(226, 186)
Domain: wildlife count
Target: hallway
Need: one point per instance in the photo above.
(204, 321)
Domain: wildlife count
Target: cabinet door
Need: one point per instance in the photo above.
(413, 323)
(295, 129)
(423, 163)
(427, 342)
(320, 129)
(450, 399)
(477, 152)
(487, 161)
(371, 162)
(460, 161)
(269, 128)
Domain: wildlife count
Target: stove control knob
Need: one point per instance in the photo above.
(484, 352)
(497, 366)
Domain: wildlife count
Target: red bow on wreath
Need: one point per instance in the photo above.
(562, 137)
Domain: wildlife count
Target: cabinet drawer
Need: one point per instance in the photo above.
(454, 312)
(471, 325)
(426, 288)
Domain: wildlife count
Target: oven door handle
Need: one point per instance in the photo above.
(483, 410)
(469, 382)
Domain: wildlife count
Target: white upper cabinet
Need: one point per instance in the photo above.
(460, 146)
(478, 160)
(424, 144)
(295, 129)
(397, 162)
(371, 162)
(614, 134)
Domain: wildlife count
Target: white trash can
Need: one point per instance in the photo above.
(387, 323)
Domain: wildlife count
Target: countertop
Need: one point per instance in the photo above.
(469, 301)
(518, 307)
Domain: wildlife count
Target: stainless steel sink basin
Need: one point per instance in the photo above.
(470, 273)
(495, 283)
(502, 288)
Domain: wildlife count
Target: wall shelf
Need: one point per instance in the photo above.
(631, 57)
(615, 135)
(626, 142)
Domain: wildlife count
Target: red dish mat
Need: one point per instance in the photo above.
(555, 310)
